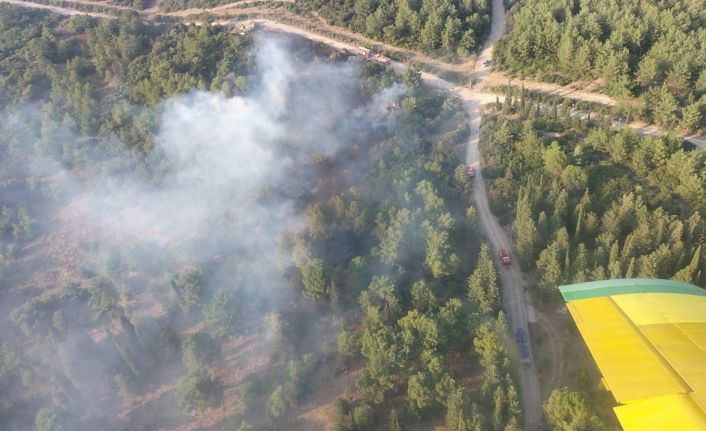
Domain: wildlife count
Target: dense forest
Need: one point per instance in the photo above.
(95, 76)
(594, 202)
(207, 230)
(79, 98)
(655, 50)
(173, 5)
(451, 28)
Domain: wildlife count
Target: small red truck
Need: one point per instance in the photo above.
(470, 171)
(364, 52)
(505, 256)
(368, 53)
(381, 59)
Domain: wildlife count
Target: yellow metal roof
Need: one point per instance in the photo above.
(651, 348)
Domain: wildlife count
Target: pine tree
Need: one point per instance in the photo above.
(630, 272)
(513, 403)
(334, 294)
(579, 223)
(580, 264)
(483, 283)
(472, 221)
(498, 407)
(316, 278)
(525, 230)
(691, 116)
(568, 410)
(614, 266)
(688, 273)
(549, 269)
(393, 421)
(457, 418)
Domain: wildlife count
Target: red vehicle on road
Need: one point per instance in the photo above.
(381, 59)
(470, 171)
(364, 52)
(505, 256)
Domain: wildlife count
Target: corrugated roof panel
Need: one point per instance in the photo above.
(666, 413)
(648, 338)
(696, 332)
(632, 369)
(655, 308)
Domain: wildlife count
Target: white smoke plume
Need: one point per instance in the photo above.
(240, 162)
(235, 171)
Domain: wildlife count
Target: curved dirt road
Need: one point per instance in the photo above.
(514, 297)
(482, 73)
(511, 277)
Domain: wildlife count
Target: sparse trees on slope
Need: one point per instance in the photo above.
(198, 391)
(222, 314)
(198, 350)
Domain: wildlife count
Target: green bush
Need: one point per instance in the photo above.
(198, 391)
(198, 350)
(363, 417)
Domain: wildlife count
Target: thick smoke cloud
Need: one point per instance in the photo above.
(235, 173)
(238, 164)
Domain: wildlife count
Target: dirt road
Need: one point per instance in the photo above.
(514, 298)
(233, 12)
(563, 91)
(518, 306)
(56, 9)
(643, 128)
(513, 285)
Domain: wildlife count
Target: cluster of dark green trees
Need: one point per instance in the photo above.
(395, 256)
(565, 409)
(94, 86)
(97, 84)
(453, 28)
(102, 79)
(404, 245)
(594, 202)
(173, 5)
(652, 49)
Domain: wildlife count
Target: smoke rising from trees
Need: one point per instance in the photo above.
(235, 166)
(229, 179)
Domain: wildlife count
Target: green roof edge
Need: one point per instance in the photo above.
(625, 286)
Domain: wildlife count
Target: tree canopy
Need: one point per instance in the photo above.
(442, 26)
(651, 49)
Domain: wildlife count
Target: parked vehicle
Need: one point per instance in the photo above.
(381, 59)
(505, 256)
(364, 52)
(470, 171)
(368, 53)
(524, 348)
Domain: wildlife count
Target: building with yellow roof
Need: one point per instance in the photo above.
(648, 338)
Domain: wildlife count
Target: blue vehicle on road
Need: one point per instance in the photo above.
(524, 348)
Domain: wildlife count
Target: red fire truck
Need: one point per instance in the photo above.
(470, 171)
(505, 256)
